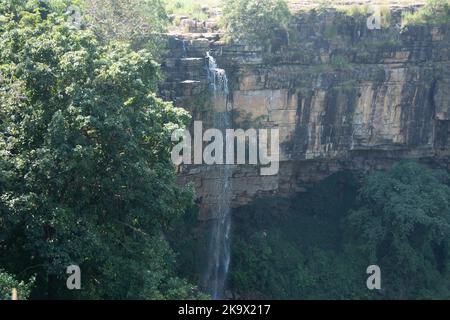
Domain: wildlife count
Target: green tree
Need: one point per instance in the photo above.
(254, 21)
(8, 282)
(85, 171)
(318, 244)
(294, 248)
(404, 227)
(268, 265)
(140, 22)
(434, 12)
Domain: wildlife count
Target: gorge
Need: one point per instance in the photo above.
(344, 97)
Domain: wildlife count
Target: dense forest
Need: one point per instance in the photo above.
(86, 177)
(318, 244)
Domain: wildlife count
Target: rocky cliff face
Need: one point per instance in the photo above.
(342, 96)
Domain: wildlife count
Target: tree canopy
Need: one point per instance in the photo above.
(254, 21)
(403, 224)
(85, 171)
(318, 244)
(139, 22)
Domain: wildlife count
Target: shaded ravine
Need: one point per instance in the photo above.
(219, 246)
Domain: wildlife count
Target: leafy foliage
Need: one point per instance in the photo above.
(404, 225)
(8, 282)
(254, 21)
(191, 8)
(293, 248)
(355, 10)
(136, 21)
(319, 244)
(435, 12)
(85, 175)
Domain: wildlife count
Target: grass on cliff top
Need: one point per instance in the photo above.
(193, 8)
(351, 3)
(434, 12)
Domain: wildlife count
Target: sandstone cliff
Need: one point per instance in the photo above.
(342, 96)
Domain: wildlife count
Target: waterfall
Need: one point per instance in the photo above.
(184, 48)
(219, 246)
(217, 77)
(184, 52)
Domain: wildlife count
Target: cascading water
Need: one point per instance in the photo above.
(184, 48)
(219, 247)
(217, 77)
(184, 52)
